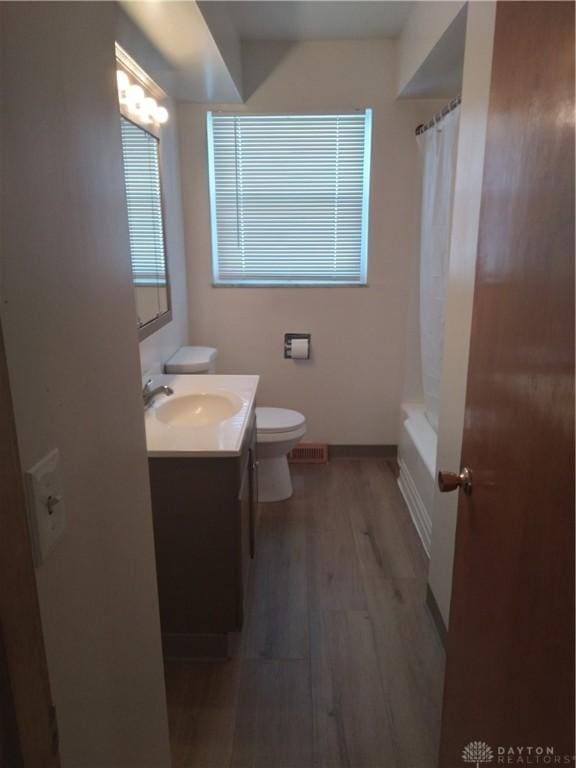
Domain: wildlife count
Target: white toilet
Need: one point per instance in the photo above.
(278, 430)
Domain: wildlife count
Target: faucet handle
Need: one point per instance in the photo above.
(147, 387)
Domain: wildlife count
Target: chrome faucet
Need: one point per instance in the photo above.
(148, 394)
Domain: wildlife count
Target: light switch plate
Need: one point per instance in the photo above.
(46, 504)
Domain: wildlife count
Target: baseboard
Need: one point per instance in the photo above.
(418, 512)
(195, 646)
(436, 615)
(362, 451)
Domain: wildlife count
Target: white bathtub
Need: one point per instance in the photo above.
(417, 460)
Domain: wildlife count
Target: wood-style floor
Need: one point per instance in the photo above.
(339, 663)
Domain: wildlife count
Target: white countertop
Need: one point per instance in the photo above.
(221, 439)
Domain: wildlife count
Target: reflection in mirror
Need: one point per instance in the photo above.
(140, 150)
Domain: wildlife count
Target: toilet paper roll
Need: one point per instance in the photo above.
(300, 349)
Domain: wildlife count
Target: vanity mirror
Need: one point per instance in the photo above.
(141, 117)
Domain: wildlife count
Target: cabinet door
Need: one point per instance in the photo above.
(245, 535)
(253, 492)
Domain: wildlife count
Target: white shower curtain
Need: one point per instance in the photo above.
(438, 146)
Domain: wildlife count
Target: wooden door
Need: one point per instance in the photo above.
(28, 735)
(510, 656)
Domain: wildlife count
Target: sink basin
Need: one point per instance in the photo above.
(198, 410)
(207, 415)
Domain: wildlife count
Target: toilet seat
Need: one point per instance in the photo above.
(276, 424)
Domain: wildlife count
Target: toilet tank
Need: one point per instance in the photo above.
(193, 360)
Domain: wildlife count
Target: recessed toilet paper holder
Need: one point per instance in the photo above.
(289, 337)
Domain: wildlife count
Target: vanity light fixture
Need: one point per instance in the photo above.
(133, 97)
(123, 81)
(161, 115)
(149, 109)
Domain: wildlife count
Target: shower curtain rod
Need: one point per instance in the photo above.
(437, 117)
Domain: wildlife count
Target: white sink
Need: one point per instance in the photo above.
(199, 409)
(206, 416)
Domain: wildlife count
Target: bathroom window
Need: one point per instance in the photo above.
(289, 198)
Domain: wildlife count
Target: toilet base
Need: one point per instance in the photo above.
(274, 481)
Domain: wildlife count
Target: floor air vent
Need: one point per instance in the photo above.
(309, 453)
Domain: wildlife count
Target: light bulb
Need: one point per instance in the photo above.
(149, 107)
(135, 94)
(161, 115)
(122, 80)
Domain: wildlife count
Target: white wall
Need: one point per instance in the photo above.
(350, 390)
(68, 318)
(156, 349)
(425, 25)
(463, 249)
(219, 20)
(201, 46)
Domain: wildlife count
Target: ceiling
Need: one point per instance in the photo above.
(317, 19)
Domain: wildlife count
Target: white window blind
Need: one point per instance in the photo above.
(289, 197)
(144, 200)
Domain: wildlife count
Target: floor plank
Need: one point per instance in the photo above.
(353, 718)
(418, 558)
(378, 533)
(339, 664)
(334, 572)
(273, 726)
(202, 710)
(411, 665)
(276, 625)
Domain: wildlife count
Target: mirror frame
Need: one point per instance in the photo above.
(147, 329)
(124, 61)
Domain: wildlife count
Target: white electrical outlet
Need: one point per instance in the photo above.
(46, 504)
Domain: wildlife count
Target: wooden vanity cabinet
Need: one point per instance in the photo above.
(204, 512)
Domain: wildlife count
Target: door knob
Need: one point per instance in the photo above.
(449, 481)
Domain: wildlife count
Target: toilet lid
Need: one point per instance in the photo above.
(278, 420)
